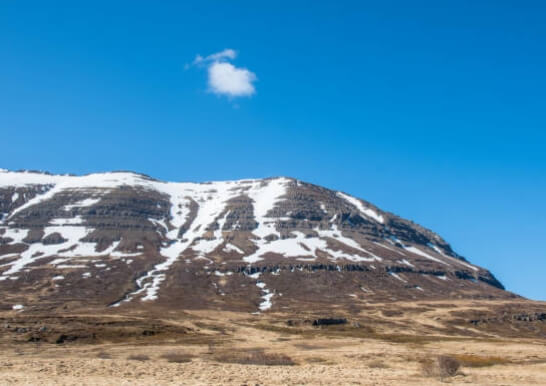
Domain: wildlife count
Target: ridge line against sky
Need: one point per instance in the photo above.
(434, 111)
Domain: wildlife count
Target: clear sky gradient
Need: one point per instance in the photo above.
(432, 110)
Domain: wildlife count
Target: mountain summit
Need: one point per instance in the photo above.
(122, 239)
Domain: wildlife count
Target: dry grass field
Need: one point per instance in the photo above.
(384, 344)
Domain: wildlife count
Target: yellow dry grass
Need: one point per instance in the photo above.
(236, 349)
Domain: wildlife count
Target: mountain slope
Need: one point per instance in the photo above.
(126, 240)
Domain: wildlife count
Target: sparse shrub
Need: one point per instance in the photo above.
(283, 339)
(316, 360)
(377, 364)
(211, 348)
(469, 360)
(104, 355)
(138, 357)
(255, 357)
(305, 346)
(175, 357)
(429, 368)
(443, 366)
(448, 366)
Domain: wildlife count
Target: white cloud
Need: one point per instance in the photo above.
(228, 53)
(226, 79)
(223, 77)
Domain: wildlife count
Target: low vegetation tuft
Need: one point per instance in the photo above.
(175, 357)
(104, 355)
(317, 360)
(254, 357)
(443, 366)
(138, 357)
(469, 360)
(378, 364)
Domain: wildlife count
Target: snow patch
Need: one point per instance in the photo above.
(266, 304)
(82, 204)
(306, 248)
(419, 252)
(387, 247)
(77, 220)
(395, 275)
(16, 234)
(404, 261)
(230, 247)
(459, 261)
(368, 212)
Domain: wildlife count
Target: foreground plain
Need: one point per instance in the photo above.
(381, 344)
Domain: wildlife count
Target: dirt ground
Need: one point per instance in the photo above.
(236, 349)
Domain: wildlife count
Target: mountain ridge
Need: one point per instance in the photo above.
(168, 234)
(146, 176)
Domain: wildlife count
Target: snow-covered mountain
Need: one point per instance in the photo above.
(123, 240)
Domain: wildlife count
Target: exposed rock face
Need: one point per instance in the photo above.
(125, 240)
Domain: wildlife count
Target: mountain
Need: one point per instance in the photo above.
(123, 239)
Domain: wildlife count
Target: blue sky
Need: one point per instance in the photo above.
(432, 110)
